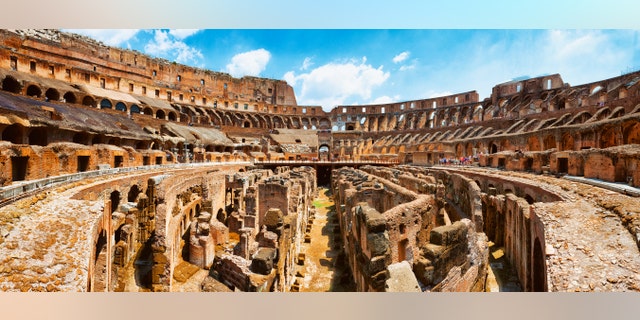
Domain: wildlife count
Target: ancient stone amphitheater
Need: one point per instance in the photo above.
(123, 172)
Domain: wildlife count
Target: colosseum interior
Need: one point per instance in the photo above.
(124, 172)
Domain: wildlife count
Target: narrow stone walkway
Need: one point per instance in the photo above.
(320, 273)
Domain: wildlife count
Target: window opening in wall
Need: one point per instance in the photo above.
(87, 77)
(204, 100)
(155, 73)
(179, 78)
(270, 91)
(235, 105)
(246, 106)
(169, 95)
(548, 84)
(193, 99)
(67, 73)
(344, 110)
(202, 82)
(19, 166)
(145, 160)
(413, 105)
(32, 66)
(402, 106)
(158, 160)
(157, 93)
(563, 165)
(298, 141)
(518, 88)
(51, 70)
(304, 110)
(226, 104)
(102, 83)
(180, 97)
(382, 110)
(83, 163)
(130, 87)
(118, 161)
(434, 105)
(224, 86)
(215, 104)
(455, 100)
(14, 63)
(94, 68)
(275, 109)
(144, 90)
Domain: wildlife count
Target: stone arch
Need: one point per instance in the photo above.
(106, 104)
(12, 85)
(70, 97)
(549, 142)
(147, 111)
(134, 109)
(34, 91)
(14, 133)
(52, 94)
(115, 200)
(89, 101)
(631, 134)
(533, 144)
(608, 138)
(539, 273)
(132, 195)
(120, 106)
(172, 116)
(567, 143)
(160, 114)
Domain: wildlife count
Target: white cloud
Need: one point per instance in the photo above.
(401, 57)
(306, 64)
(385, 99)
(333, 83)
(250, 63)
(180, 34)
(408, 67)
(111, 37)
(165, 45)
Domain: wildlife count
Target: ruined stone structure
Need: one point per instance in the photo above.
(119, 171)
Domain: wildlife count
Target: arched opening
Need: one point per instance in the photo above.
(247, 124)
(99, 279)
(120, 106)
(132, 196)
(147, 111)
(539, 269)
(69, 97)
(38, 137)
(88, 101)
(34, 91)
(529, 199)
(52, 94)
(494, 148)
(14, 134)
(105, 104)
(608, 138)
(160, 115)
(115, 200)
(11, 84)
(172, 116)
(135, 109)
(632, 134)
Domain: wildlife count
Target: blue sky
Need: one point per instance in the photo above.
(330, 67)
